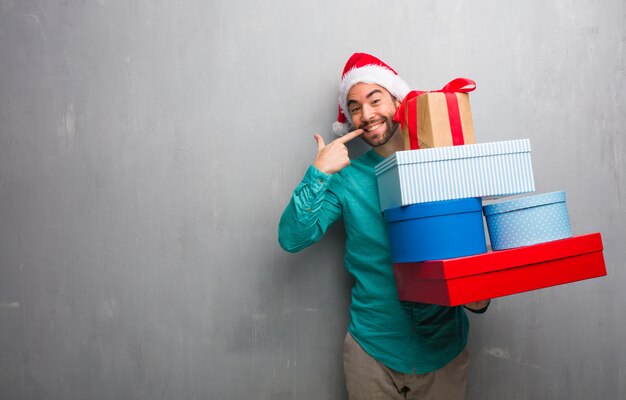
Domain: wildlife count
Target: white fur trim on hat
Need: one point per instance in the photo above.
(341, 129)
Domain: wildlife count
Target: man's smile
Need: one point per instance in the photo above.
(373, 127)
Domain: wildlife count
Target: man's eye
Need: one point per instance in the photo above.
(354, 109)
(375, 101)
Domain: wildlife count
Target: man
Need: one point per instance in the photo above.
(393, 349)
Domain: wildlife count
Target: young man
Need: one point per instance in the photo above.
(393, 349)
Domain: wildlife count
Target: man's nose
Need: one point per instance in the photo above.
(367, 112)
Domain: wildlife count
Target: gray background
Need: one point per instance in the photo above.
(147, 149)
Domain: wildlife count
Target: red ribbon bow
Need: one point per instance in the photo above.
(458, 85)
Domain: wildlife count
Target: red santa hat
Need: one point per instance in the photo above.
(365, 68)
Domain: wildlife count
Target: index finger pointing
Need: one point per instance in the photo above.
(349, 136)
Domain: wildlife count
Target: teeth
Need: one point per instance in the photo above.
(371, 128)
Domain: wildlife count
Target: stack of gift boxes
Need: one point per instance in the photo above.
(431, 197)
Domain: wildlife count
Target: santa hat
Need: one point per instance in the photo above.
(365, 68)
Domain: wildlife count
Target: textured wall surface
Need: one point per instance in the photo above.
(147, 149)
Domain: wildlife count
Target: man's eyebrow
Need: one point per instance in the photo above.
(373, 92)
(370, 94)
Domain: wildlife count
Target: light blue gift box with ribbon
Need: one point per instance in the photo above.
(456, 172)
(528, 220)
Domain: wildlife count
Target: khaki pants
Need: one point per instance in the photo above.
(369, 379)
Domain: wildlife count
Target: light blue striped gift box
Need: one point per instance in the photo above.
(447, 173)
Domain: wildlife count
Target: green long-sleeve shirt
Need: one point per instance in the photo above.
(406, 337)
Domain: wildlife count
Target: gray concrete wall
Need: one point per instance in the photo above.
(147, 149)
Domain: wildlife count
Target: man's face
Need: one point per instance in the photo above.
(372, 108)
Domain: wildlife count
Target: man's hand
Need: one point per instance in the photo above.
(333, 157)
(477, 305)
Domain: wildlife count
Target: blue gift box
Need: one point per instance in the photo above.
(528, 220)
(436, 230)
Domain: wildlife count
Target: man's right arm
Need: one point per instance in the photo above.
(311, 210)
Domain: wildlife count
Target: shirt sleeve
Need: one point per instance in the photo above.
(312, 209)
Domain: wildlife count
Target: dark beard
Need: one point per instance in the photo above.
(391, 129)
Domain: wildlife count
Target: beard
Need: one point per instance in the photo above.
(378, 140)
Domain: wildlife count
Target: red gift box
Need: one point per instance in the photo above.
(500, 273)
